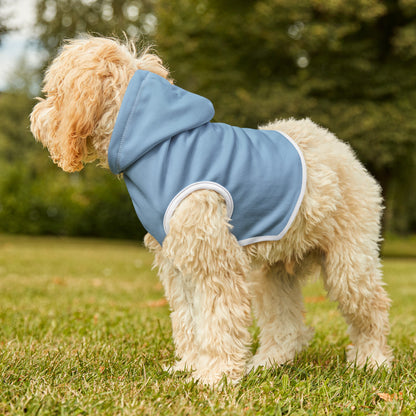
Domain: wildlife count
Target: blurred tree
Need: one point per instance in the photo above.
(60, 19)
(350, 66)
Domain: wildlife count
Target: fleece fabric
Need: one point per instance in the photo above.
(166, 146)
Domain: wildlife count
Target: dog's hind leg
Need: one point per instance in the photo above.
(352, 277)
(209, 259)
(278, 306)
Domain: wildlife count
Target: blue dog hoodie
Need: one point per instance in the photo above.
(166, 147)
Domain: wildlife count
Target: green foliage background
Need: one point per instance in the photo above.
(350, 66)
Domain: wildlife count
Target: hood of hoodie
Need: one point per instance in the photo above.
(153, 111)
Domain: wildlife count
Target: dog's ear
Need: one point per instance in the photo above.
(67, 117)
(80, 109)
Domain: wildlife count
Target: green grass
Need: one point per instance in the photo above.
(402, 247)
(84, 331)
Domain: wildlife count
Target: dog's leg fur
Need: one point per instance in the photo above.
(278, 305)
(211, 267)
(180, 294)
(354, 280)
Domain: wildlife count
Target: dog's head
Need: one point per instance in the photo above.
(83, 88)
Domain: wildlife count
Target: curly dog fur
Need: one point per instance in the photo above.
(211, 281)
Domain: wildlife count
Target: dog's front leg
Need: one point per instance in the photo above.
(179, 292)
(212, 267)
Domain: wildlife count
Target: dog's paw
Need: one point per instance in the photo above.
(271, 359)
(181, 365)
(216, 380)
(369, 356)
(282, 351)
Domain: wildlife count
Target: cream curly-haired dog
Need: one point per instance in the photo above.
(103, 102)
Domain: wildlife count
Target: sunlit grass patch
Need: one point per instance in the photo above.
(84, 330)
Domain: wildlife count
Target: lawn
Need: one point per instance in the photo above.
(84, 330)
